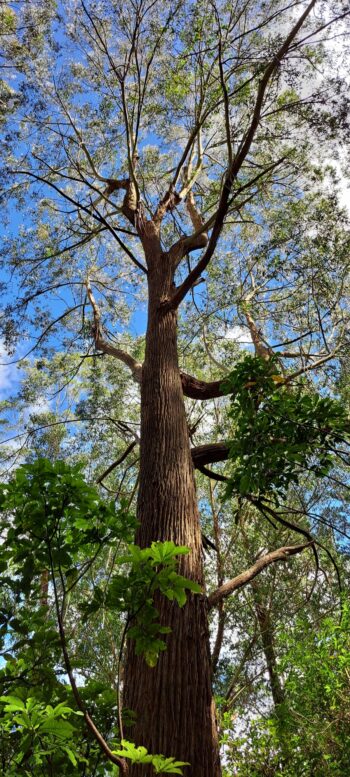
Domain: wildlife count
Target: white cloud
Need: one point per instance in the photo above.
(345, 195)
(343, 186)
(42, 405)
(239, 334)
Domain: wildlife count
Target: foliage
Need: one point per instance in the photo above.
(54, 522)
(140, 755)
(309, 734)
(151, 569)
(280, 431)
(41, 735)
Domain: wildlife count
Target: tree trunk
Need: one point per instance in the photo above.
(266, 632)
(173, 702)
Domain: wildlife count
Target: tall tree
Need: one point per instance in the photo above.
(146, 134)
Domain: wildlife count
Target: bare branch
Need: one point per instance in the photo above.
(210, 453)
(260, 348)
(236, 165)
(200, 237)
(312, 366)
(103, 345)
(209, 473)
(281, 554)
(120, 762)
(224, 91)
(116, 463)
(200, 389)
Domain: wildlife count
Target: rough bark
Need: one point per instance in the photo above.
(173, 701)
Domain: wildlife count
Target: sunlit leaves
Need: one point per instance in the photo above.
(150, 570)
(41, 733)
(55, 524)
(279, 431)
(140, 755)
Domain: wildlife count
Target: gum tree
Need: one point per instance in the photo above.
(154, 148)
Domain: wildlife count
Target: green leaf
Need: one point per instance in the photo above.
(167, 765)
(60, 728)
(70, 754)
(135, 754)
(13, 701)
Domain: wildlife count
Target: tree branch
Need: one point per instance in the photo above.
(210, 453)
(103, 345)
(90, 211)
(260, 348)
(120, 762)
(312, 366)
(281, 554)
(116, 463)
(236, 165)
(192, 387)
(201, 389)
(191, 242)
(212, 475)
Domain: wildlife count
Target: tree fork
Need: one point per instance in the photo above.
(172, 701)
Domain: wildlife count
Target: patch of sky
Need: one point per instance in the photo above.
(10, 374)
